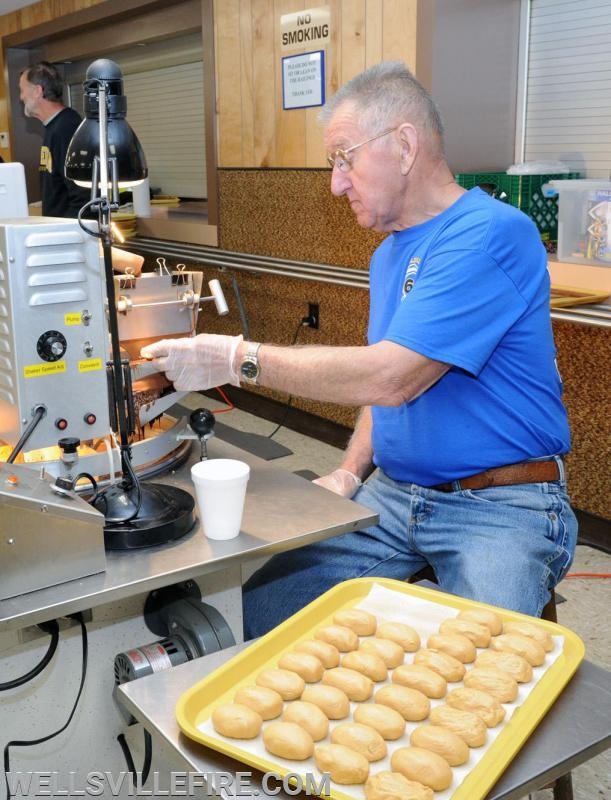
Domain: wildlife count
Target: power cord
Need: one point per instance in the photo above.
(68, 484)
(51, 628)
(305, 322)
(37, 416)
(588, 575)
(32, 742)
(148, 756)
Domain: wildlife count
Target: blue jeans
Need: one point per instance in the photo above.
(507, 546)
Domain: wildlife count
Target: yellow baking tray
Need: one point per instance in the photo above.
(566, 296)
(196, 705)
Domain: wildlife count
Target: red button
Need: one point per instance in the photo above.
(90, 419)
(62, 424)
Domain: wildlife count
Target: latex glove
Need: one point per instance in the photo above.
(199, 362)
(340, 481)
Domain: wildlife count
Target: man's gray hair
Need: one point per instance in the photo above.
(48, 77)
(387, 94)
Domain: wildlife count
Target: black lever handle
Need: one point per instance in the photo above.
(202, 421)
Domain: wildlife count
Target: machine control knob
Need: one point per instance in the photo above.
(202, 421)
(51, 345)
(69, 444)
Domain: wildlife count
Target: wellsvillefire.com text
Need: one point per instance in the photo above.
(172, 784)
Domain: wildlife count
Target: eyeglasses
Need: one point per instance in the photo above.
(340, 158)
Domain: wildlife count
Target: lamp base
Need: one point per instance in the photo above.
(166, 513)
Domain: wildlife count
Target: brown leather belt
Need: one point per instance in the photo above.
(524, 472)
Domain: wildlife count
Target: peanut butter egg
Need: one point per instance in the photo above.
(413, 705)
(424, 766)
(365, 740)
(344, 765)
(402, 634)
(361, 622)
(442, 741)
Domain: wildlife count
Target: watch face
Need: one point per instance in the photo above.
(249, 369)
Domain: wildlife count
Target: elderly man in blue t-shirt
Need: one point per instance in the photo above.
(460, 440)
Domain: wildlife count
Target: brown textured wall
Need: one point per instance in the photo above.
(583, 360)
(290, 213)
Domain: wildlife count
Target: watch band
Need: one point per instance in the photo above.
(249, 368)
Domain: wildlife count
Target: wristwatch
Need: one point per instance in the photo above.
(249, 368)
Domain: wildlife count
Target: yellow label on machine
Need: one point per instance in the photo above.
(38, 370)
(73, 318)
(90, 365)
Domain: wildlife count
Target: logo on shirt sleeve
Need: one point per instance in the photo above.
(411, 273)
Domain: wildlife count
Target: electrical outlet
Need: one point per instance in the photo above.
(313, 317)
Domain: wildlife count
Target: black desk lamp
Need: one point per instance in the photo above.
(105, 153)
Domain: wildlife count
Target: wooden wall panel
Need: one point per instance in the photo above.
(373, 32)
(253, 129)
(353, 37)
(290, 125)
(229, 92)
(246, 82)
(362, 33)
(263, 118)
(399, 31)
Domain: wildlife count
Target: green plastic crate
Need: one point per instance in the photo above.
(523, 192)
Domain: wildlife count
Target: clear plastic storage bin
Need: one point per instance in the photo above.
(584, 221)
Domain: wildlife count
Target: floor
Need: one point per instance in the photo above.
(587, 600)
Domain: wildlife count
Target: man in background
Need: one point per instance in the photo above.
(41, 89)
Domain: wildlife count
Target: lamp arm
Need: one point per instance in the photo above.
(103, 141)
(104, 217)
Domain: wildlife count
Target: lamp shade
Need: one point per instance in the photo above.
(122, 146)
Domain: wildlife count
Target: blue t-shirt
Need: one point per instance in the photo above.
(470, 288)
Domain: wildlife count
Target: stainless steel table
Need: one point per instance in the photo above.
(577, 727)
(282, 511)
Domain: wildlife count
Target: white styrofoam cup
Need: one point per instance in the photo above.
(220, 491)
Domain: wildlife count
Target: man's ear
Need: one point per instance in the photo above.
(408, 138)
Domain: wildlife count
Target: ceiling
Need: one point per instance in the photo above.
(6, 6)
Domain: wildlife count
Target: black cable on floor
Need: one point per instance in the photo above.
(148, 756)
(49, 627)
(289, 402)
(127, 753)
(32, 742)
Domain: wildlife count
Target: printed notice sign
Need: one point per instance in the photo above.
(303, 80)
(305, 29)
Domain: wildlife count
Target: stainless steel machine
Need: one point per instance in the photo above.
(57, 407)
(37, 523)
(54, 348)
(53, 334)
